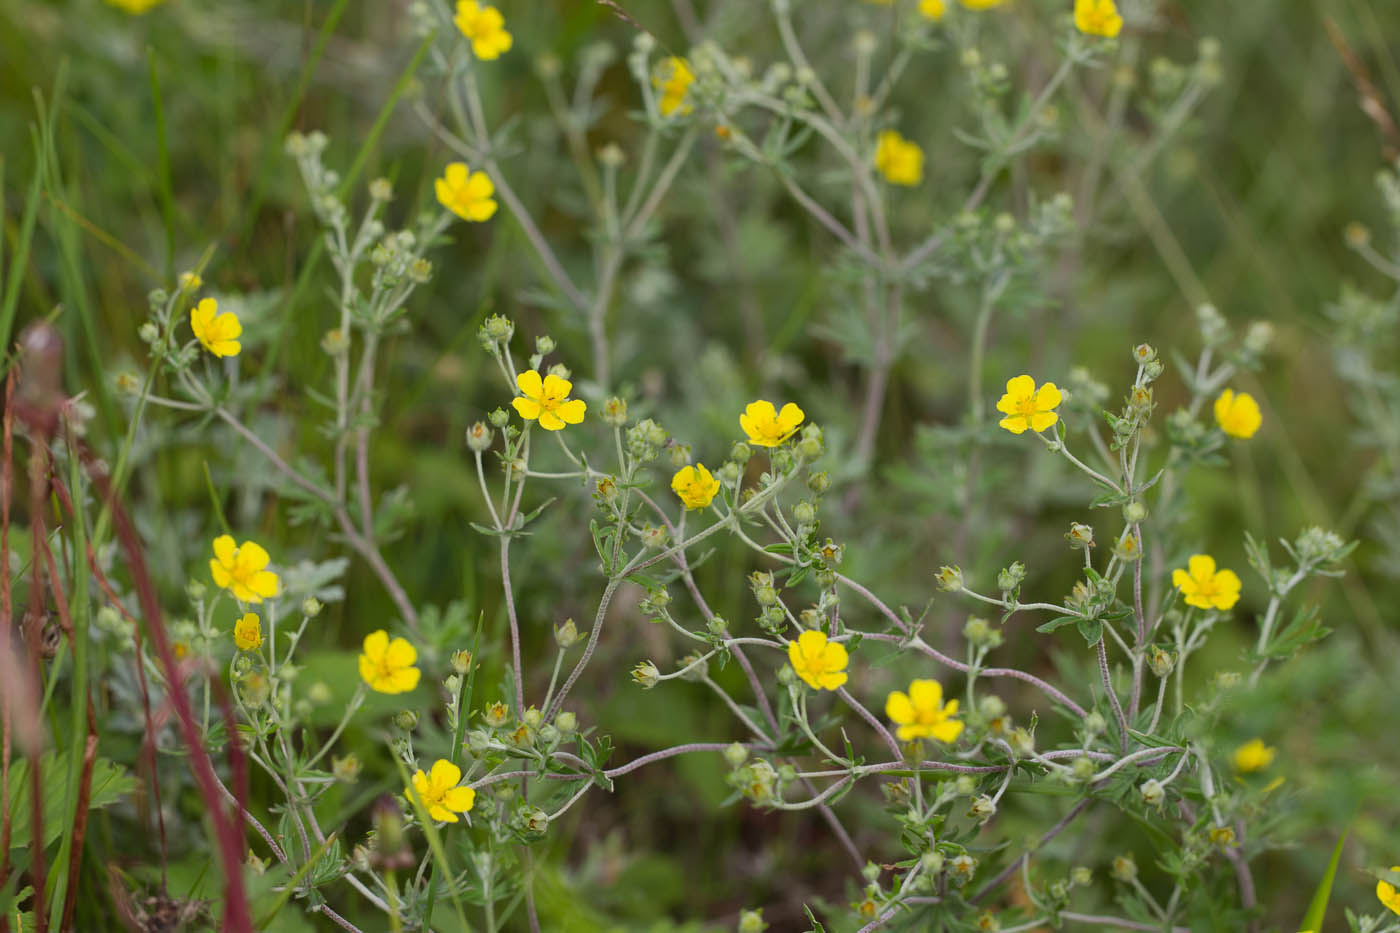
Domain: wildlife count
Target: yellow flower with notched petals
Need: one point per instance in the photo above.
(1025, 406)
(485, 27)
(547, 400)
(673, 79)
(218, 332)
(438, 792)
(1387, 894)
(921, 713)
(768, 427)
(695, 485)
(1205, 587)
(1253, 755)
(898, 159)
(1237, 415)
(1097, 18)
(247, 633)
(243, 570)
(466, 193)
(819, 662)
(387, 666)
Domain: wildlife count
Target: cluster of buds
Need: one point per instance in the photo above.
(757, 780)
(645, 440)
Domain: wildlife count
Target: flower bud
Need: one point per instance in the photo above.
(964, 867)
(461, 661)
(1143, 354)
(931, 862)
(1161, 661)
(949, 579)
(566, 722)
(980, 634)
(804, 512)
(1127, 548)
(646, 675)
(479, 437)
(1152, 791)
(717, 626)
(496, 714)
(965, 785)
(1134, 512)
(615, 412)
(1010, 579)
(751, 921)
(1094, 723)
(406, 719)
(983, 809)
(311, 607)
(736, 755)
(347, 769)
(1124, 868)
(381, 189)
(566, 635)
(1021, 742)
(335, 342)
(1083, 768)
(148, 332)
(1081, 875)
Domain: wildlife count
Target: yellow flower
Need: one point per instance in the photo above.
(218, 332)
(921, 714)
(190, 281)
(466, 193)
(673, 79)
(1387, 894)
(932, 9)
(1237, 415)
(1025, 406)
(243, 569)
(387, 666)
(1097, 18)
(821, 663)
(438, 792)
(898, 159)
(1204, 587)
(695, 485)
(247, 633)
(981, 4)
(767, 427)
(1253, 755)
(485, 27)
(547, 400)
(135, 7)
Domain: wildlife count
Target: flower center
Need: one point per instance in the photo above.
(1026, 405)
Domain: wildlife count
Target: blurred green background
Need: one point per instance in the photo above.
(168, 141)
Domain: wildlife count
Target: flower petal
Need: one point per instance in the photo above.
(1202, 567)
(1042, 420)
(400, 653)
(1016, 424)
(445, 775)
(1047, 397)
(557, 387)
(224, 549)
(460, 799)
(811, 643)
(1020, 386)
(456, 175)
(376, 645)
(899, 709)
(252, 557)
(530, 383)
(572, 411)
(527, 408)
(926, 695)
(551, 421)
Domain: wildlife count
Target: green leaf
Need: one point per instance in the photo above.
(110, 782)
(1317, 908)
(1056, 623)
(1091, 629)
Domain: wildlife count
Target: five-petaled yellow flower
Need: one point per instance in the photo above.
(898, 159)
(1025, 406)
(1253, 755)
(218, 332)
(921, 714)
(673, 79)
(1237, 415)
(1097, 18)
(438, 792)
(247, 633)
(547, 400)
(466, 193)
(1205, 587)
(135, 7)
(821, 663)
(387, 666)
(932, 9)
(768, 427)
(243, 569)
(1387, 893)
(485, 27)
(695, 485)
